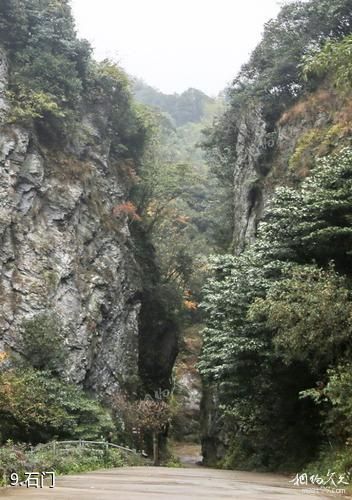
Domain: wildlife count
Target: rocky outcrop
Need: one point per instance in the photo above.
(3, 84)
(263, 154)
(249, 169)
(64, 252)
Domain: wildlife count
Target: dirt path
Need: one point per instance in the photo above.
(150, 483)
(189, 454)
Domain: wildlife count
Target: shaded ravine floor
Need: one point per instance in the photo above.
(158, 483)
(189, 454)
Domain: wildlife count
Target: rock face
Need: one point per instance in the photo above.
(188, 385)
(64, 253)
(3, 83)
(249, 169)
(263, 154)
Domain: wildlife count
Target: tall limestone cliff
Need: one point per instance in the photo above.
(66, 250)
(63, 252)
(268, 156)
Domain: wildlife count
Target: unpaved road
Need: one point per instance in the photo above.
(150, 483)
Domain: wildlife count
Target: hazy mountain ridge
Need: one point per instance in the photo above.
(191, 106)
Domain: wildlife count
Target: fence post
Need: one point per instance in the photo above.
(54, 447)
(156, 448)
(106, 453)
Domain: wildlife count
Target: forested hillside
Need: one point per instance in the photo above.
(189, 107)
(277, 344)
(181, 203)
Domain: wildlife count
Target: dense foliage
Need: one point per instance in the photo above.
(43, 343)
(48, 64)
(333, 61)
(278, 338)
(179, 203)
(314, 222)
(273, 71)
(36, 407)
(52, 77)
(69, 460)
(274, 79)
(282, 312)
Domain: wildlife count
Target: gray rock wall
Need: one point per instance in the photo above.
(248, 171)
(262, 164)
(64, 253)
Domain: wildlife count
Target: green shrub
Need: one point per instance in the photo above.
(74, 460)
(27, 105)
(12, 459)
(45, 56)
(43, 338)
(36, 407)
(332, 61)
(335, 401)
(336, 460)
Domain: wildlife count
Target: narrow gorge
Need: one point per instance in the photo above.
(175, 268)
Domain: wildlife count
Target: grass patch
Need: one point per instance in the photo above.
(333, 460)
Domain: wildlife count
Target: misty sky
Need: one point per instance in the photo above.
(175, 44)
